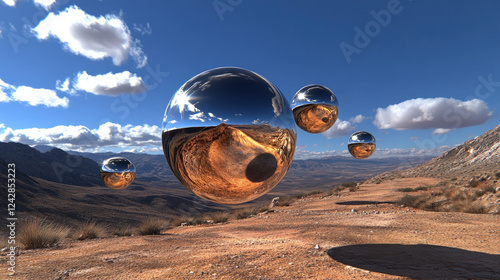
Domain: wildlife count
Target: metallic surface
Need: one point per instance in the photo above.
(362, 145)
(315, 108)
(117, 173)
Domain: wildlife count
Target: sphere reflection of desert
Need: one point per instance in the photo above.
(118, 180)
(117, 173)
(229, 163)
(315, 118)
(362, 150)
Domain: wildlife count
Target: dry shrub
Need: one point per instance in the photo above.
(123, 232)
(219, 217)
(36, 233)
(152, 226)
(264, 208)
(244, 213)
(476, 207)
(421, 188)
(405, 190)
(286, 200)
(411, 200)
(90, 230)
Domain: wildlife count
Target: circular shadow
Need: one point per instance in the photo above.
(261, 168)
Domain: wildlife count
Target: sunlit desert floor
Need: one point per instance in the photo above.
(357, 235)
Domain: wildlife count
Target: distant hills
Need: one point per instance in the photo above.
(476, 158)
(66, 186)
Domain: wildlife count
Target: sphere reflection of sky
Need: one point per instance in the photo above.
(227, 95)
(361, 137)
(314, 94)
(117, 164)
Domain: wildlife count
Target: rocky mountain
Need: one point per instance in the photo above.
(54, 165)
(476, 158)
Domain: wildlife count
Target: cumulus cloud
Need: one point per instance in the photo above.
(442, 114)
(340, 128)
(39, 96)
(31, 96)
(46, 4)
(358, 119)
(110, 84)
(93, 37)
(81, 138)
(11, 3)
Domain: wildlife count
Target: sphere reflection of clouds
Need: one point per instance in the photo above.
(315, 108)
(229, 135)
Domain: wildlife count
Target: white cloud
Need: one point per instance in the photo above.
(438, 113)
(441, 131)
(110, 84)
(32, 96)
(46, 4)
(39, 96)
(93, 37)
(11, 3)
(144, 30)
(81, 138)
(63, 86)
(358, 119)
(340, 128)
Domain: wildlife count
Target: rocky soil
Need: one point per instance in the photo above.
(356, 235)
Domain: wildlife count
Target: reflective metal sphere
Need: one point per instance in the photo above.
(117, 173)
(229, 135)
(361, 144)
(315, 108)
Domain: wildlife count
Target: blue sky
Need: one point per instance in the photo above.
(421, 76)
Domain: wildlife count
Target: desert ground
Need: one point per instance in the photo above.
(356, 235)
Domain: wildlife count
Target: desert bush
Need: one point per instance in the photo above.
(421, 188)
(152, 226)
(244, 213)
(410, 200)
(476, 207)
(497, 175)
(219, 217)
(405, 190)
(89, 230)
(264, 208)
(126, 231)
(286, 200)
(37, 233)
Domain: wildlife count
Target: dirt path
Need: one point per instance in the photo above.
(355, 236)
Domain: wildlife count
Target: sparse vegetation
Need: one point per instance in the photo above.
(37, 233)
(421, 188)
(122, 232)
(406, 190)
(497, 175)
(219, 217)
(476, 207)
(153, 226)
(286, 200)
(90, 230)
(244, 213)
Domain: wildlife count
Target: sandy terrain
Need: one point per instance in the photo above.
(355, 236)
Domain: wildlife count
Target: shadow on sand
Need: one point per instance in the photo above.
(363, 202)
(419, 261)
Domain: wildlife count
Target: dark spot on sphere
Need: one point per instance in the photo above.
(261, 168)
